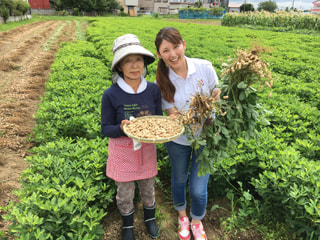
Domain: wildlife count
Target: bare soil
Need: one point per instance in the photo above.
(26, 54)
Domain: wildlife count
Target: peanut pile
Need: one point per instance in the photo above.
(153, 128)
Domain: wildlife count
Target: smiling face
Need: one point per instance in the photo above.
(172, 54)
(132, 67)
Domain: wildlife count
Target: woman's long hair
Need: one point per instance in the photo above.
(167, 89)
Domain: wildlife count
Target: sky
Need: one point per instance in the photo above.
(282, 4)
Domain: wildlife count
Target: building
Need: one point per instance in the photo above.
(234, 7)
(146, 6)
(42, 7)
(316, 7)
(135, 7)
(39, 4)
(173, 6)
(130, 6)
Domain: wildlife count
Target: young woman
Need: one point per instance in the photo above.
(129, 97)
(179, 78)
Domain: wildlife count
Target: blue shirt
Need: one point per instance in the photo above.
(118, 105)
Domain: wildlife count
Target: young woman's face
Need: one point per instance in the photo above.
(132, 67)
(172, 54)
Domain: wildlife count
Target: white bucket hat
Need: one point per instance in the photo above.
(126, 45)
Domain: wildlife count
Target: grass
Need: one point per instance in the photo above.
(47, 46)
(11, 25)
(36, 18)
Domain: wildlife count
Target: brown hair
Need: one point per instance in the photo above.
(167, 89)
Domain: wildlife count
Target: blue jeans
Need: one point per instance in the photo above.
(180, 158)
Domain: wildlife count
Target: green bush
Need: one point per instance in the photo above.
(64, 193)
(123, 14)
(16, 8)
(61, 13)
(8, 4)
(4, 13)
(16, 12)
(22, 7)
(155, 15)
(77, 71)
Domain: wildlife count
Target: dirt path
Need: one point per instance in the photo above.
(26, 54)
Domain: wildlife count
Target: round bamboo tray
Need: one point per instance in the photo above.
(150, 124)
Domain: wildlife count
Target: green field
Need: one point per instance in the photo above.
(275, 179)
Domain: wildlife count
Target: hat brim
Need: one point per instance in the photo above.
(134, 49)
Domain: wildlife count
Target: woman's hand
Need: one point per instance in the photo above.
(123, 122)
(216, 94)
(172, 113)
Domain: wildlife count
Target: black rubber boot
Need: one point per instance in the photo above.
(127, 227)
(150, 221)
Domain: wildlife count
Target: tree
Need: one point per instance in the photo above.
(294, 9)
(4, 13)
(216, 11)
(21, 7)
(247, 7)
(8, 4)
(13, 8)
(198, 4)
(113, 4)
(58, 6)
(269, 6)
(87, 5)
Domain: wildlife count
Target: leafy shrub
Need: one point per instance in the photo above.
(155, 15)
(73, 115)
(65, 192)
(61, 13)
(289, 189)
(16, 8)
(280, 19)
(9, 4)
(22, 7)
(123, 14)
(4, 13)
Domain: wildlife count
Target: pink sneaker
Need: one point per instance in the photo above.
(184, 228)
(198, 232)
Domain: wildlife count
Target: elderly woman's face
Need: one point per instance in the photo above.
(132, 67)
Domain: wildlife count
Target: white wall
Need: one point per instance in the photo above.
(15, 19)
(131, 2)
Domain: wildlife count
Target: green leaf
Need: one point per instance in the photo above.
(242, 96)
(242, 85)
(214, 207)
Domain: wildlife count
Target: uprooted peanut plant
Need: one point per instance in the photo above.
(237, 114)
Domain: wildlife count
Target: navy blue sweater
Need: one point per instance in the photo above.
(118, 105)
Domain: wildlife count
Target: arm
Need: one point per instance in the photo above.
(109, 126)
(213, 82)
(172, 113)
(158, 103)
(216, 94)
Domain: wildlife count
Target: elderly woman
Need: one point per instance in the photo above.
(129, 97)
